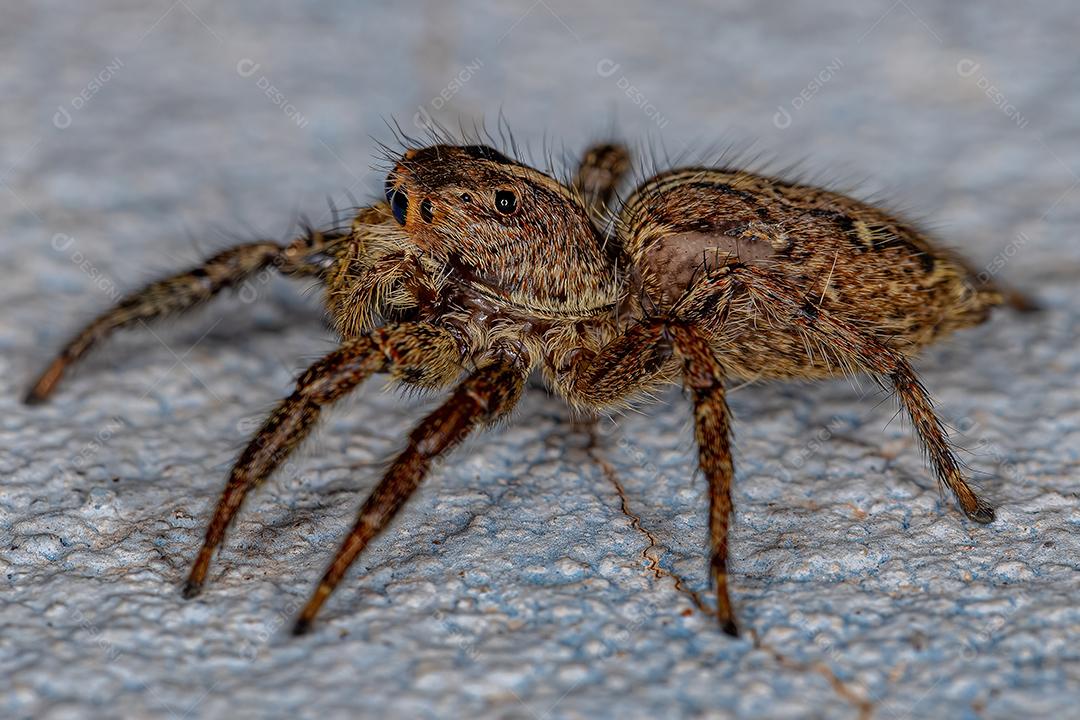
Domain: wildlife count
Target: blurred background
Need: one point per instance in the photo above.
(136, 137)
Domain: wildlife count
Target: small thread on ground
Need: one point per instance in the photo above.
(862, 704)
(635, 521)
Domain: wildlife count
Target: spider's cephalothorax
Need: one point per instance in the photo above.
(478, 269)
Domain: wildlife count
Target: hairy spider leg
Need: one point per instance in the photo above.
(184, 291)
(703, 376)
(602, 167)
(426, 354)
(633, 361)
(858, 349)
(486, 395)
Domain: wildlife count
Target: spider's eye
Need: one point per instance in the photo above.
(505, 202)
(399, 202)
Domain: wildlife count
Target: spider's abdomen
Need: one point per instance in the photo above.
(847, 257)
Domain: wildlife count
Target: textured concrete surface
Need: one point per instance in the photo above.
(518, 584)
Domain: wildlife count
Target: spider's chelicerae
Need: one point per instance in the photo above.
(478, 269)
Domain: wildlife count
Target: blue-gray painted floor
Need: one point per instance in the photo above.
(137, 137)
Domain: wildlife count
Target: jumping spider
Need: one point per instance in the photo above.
(478, 268)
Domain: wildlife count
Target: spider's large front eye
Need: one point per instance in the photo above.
(505, 202)
(399, 202)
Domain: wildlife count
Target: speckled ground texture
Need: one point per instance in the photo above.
(515, 584)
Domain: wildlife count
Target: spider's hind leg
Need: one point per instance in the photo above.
(182, 292)
(859, 349)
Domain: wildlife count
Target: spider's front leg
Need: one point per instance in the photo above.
(424, 354)
(483, 397)
(182, 292)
